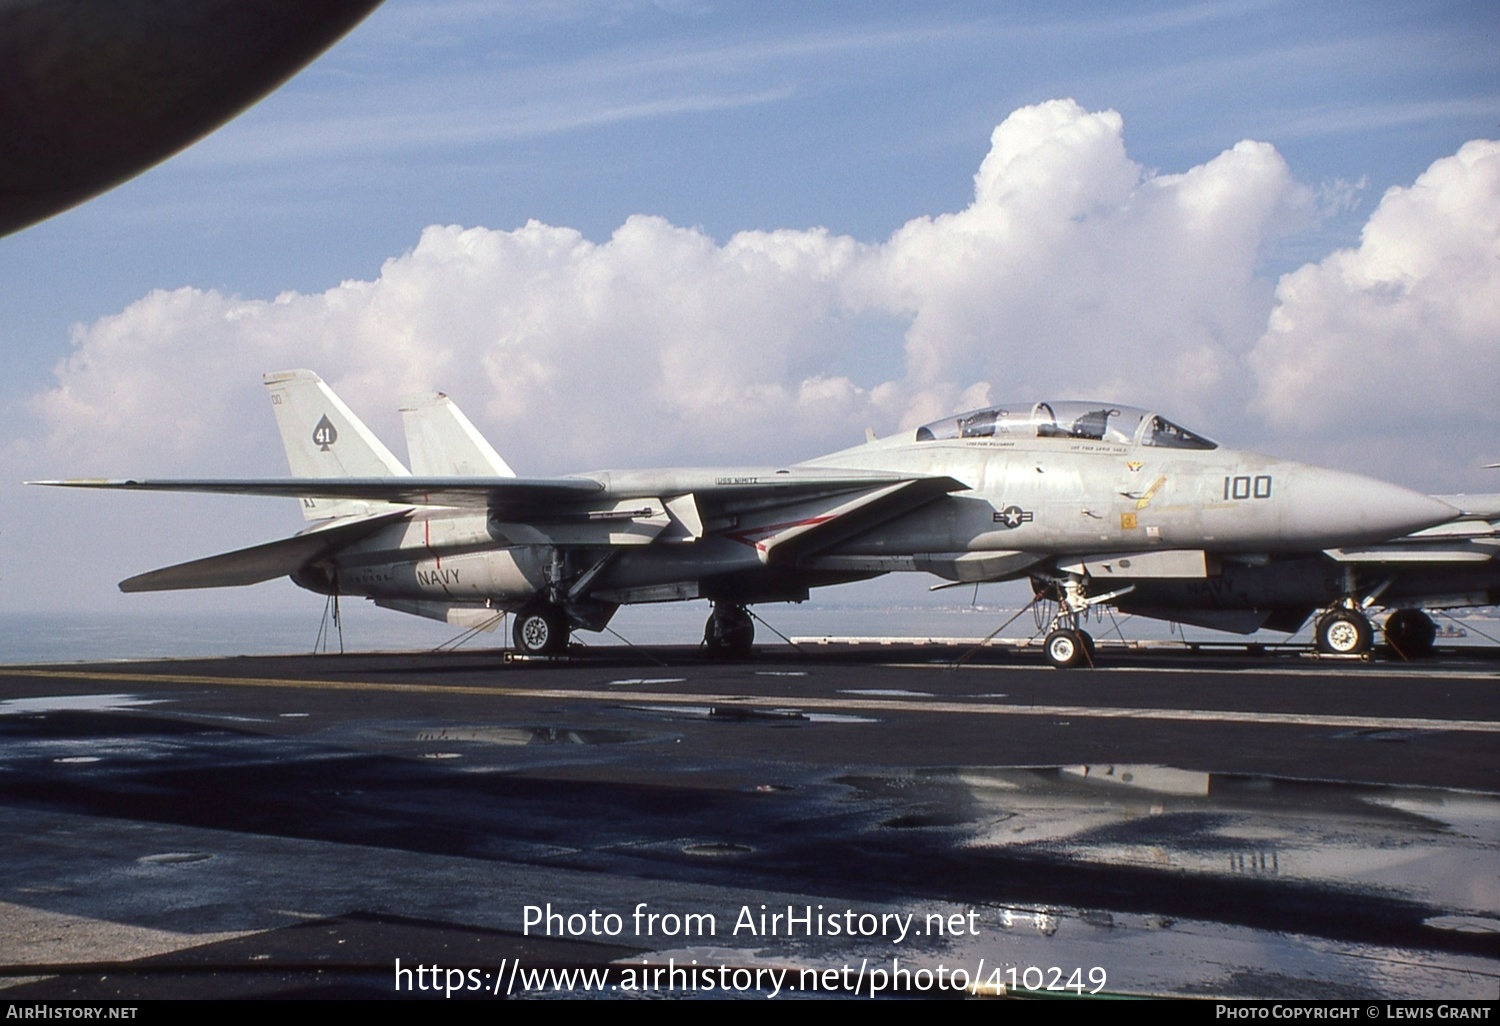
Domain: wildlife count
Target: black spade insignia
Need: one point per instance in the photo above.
(324, 434)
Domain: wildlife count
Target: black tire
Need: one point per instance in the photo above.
(1344, 632)
(1066, 649)
(541, 631)
(729, 632)
(1411, 633)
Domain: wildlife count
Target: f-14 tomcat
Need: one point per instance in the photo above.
(1095, 503)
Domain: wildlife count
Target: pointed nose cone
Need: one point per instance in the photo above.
(1330, 508)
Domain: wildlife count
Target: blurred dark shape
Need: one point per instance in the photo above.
(93, 92)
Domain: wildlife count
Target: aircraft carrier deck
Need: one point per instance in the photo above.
(872, 819)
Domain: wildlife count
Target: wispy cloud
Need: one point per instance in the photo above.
(473, 124)
(1338, 119)
(506, 98)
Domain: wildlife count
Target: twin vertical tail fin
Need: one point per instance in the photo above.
(323, 438)
(442, 442)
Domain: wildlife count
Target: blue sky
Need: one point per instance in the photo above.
(858, 118)
(854, 116)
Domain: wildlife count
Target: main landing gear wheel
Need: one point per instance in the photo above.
(1344, 632)
(1411, 633)
(541, 631)
(1069, 648)
(729, 632)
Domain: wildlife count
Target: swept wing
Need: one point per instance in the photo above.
(498, 493)
(533, 496)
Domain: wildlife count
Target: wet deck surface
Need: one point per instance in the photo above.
(1169, 824)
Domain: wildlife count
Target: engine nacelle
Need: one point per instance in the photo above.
(506, 576)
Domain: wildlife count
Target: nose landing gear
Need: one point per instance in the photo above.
(1068, 645)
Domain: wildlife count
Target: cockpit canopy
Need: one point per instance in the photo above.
(1100, 422)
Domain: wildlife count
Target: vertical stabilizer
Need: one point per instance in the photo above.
(442, 442)
(323, 438)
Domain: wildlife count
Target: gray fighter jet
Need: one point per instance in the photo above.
(1095, 503)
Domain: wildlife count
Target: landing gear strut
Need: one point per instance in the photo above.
(541, 630)
(729, 632)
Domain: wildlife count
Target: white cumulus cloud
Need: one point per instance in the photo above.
(1395, 345)
(1074, 272)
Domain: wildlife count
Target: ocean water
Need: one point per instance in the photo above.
(54, 637)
